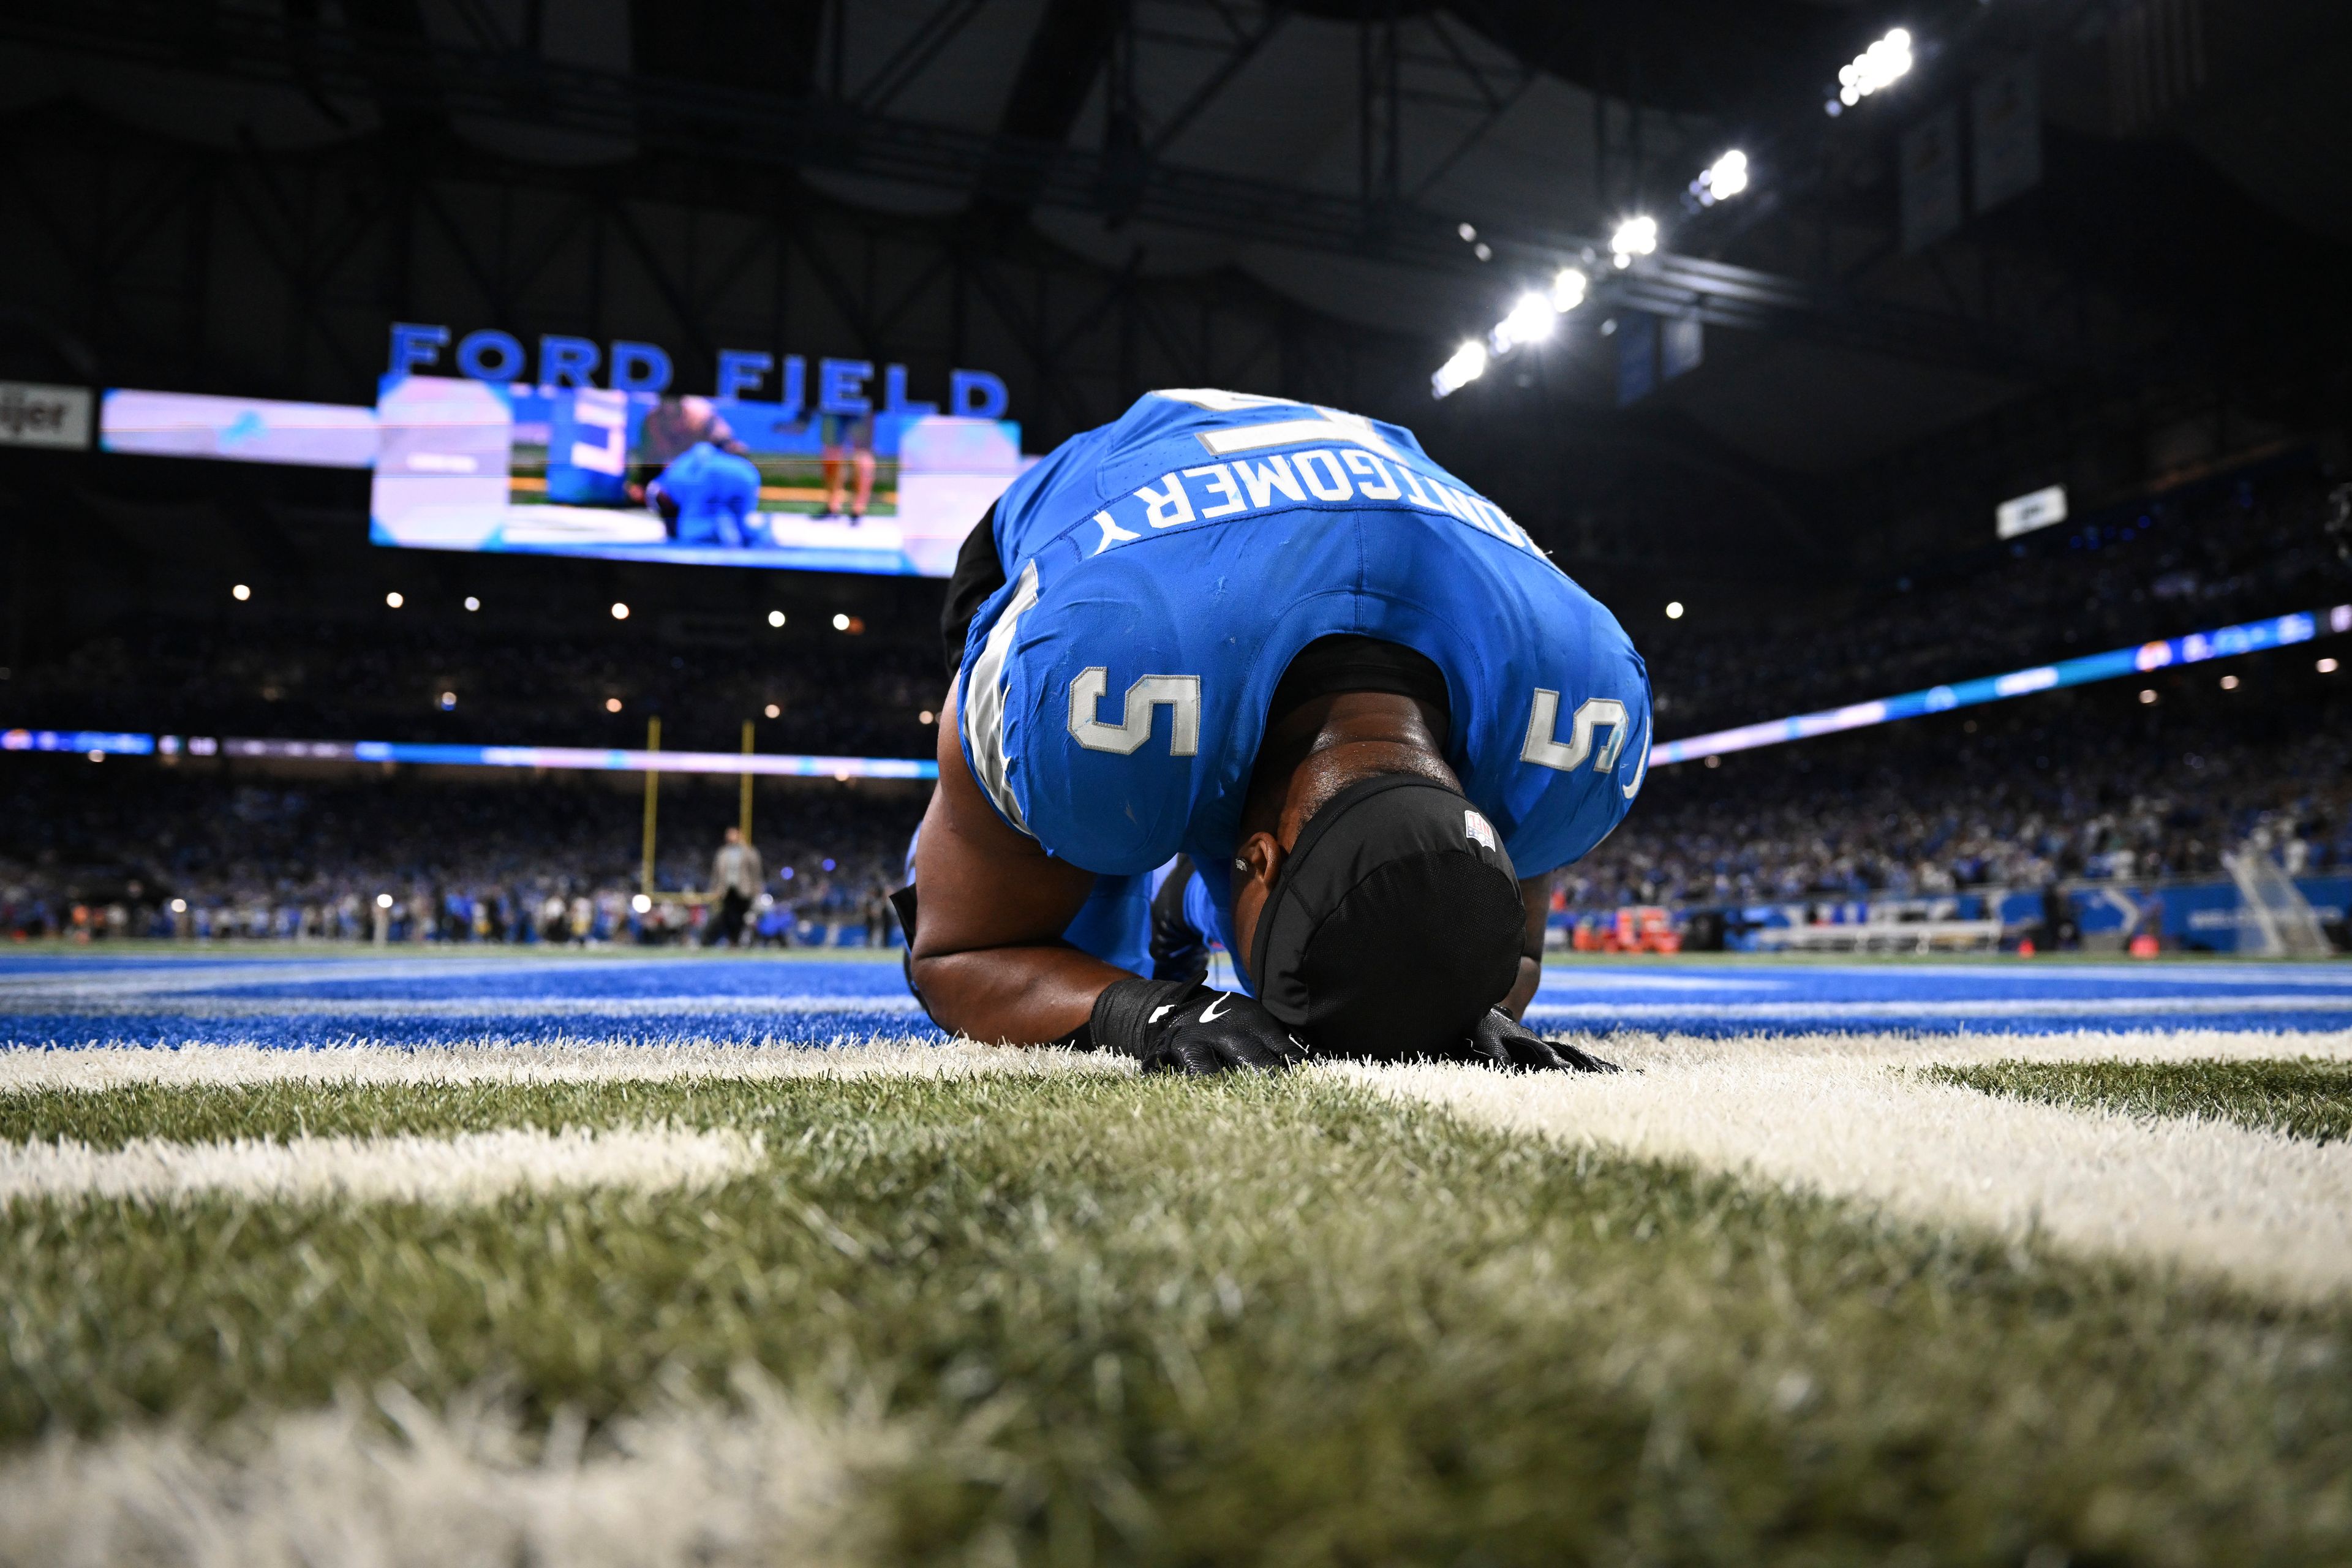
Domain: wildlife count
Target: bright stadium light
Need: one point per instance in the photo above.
(1530, 321)
(840, 622)
(620, 611)
(2146, 696)
(1721, 180)
(2327, 666)
(1568, 289)
(2228, 683)
(612, 705)
(1469, 364)
(1876, 69)
(773, 711)
(448, 701)
(179, 906)
(1675, 610)
(1634, 237)
(472, 603)
(394, 599)
(775, 617)
(383, 900)
(642, 904)
(241, 593)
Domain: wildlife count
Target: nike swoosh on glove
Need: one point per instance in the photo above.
(1501, 1042)
(1182, 1025)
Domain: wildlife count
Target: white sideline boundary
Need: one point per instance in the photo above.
(594, 1058)
(463, 1168)
(589, 1059)
(2255, 1208)
(340, 1488)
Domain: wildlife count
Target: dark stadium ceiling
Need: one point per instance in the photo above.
(2200, 163)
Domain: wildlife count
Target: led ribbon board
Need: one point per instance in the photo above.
(2197, 648)
(577, 758)
(592, 758)
(110, 742)
(2252, 637)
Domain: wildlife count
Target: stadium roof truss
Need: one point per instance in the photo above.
(1427, 91)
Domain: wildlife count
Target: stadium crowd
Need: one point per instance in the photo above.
(834, 695)
(2069, 785)
(2226, 551)
(2072, 786)
(2071, 792)
(131, 849)
(2221, 553)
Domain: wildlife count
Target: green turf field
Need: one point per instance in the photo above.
(975, 1307)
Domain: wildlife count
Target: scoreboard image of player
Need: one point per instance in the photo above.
(473, 465)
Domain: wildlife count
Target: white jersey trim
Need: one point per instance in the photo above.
(984, 702)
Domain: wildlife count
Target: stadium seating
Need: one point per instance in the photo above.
(1930, 809)
(107, 850)
(2225, 551)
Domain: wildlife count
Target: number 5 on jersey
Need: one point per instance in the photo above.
(1545, 749)
(1180, 693)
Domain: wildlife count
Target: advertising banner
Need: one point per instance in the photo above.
(32, 415)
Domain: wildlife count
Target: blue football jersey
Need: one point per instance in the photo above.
(715, 491)
(1161, 573)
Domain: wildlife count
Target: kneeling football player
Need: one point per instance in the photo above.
(1282, 641)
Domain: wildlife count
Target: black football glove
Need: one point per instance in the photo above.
(1500, 1041)
(1178, 951)
(1182, 1025)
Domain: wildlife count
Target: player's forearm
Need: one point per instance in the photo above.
(1017, 995)
(1535, 896)
(1523, 991)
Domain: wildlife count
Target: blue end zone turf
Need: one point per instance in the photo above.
(58, 1000)
(1997, 997)
(433, 1000)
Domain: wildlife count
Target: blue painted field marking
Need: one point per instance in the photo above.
(428, 999)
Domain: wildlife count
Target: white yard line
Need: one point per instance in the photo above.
(336, 1488)
(588, 1059)
(2256, 1209)
(463, 1168)
(1833, 1113)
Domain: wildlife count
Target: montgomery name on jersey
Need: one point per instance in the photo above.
(1161, 574)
